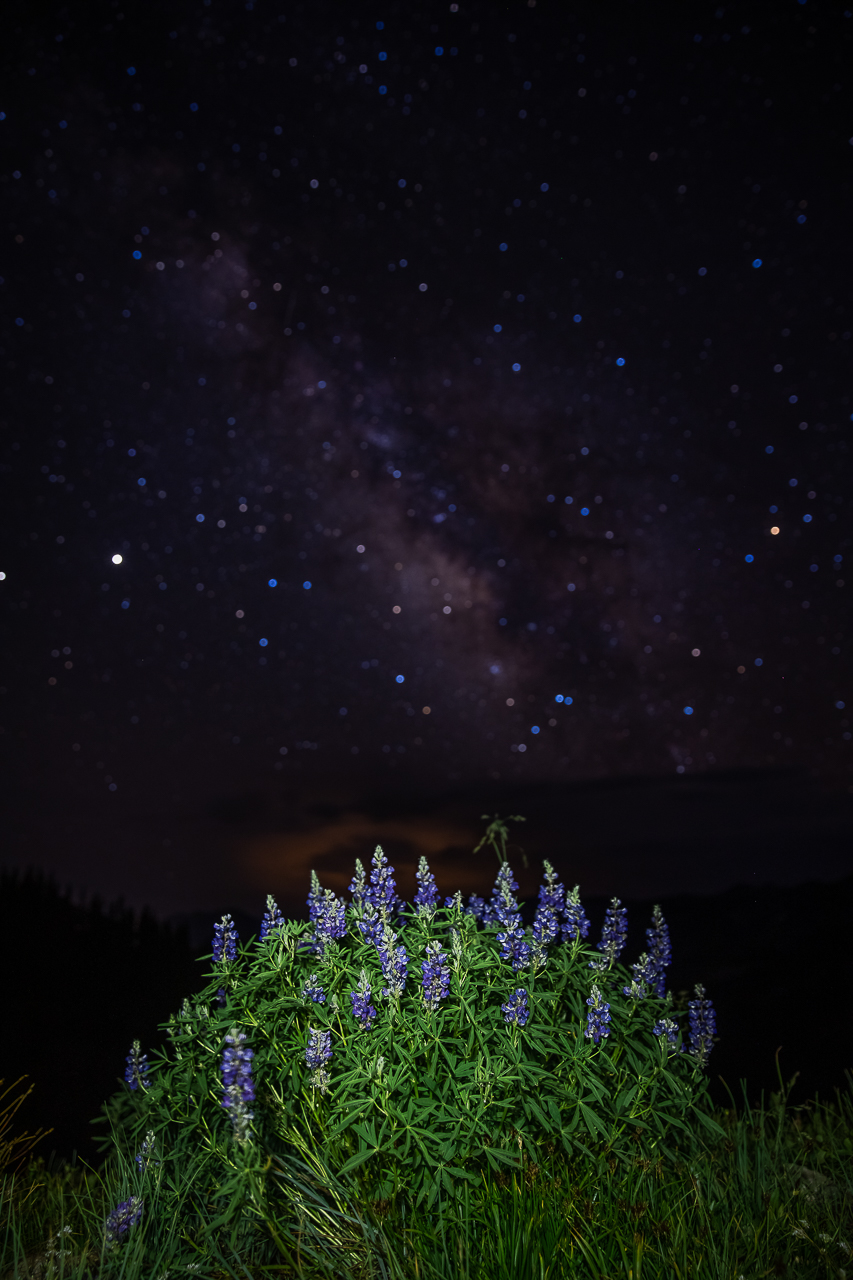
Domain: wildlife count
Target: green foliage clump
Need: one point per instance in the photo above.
(434, 1085)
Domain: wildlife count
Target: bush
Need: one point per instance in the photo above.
(412, 1049)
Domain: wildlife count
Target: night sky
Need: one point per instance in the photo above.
(416, 407)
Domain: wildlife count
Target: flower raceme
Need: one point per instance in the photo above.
(516, 1010)
(136, 1071)
(237, 1086)
(330, 922)
(382, 890)
(506, 911)
(363, 1011)
(124, 1216)
(598, 1017)
(703, 1024)
(660, 950)
(436, 976)
(225, 939)
(426, 897)
(394, 963)
(313, 991)
(146, 1154)
(273, 919)
(613, 936)
(317, 1054)
(576, 924)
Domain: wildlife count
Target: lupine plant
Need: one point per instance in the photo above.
(420, 1046)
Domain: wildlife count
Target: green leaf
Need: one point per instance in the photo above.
(593, 1123)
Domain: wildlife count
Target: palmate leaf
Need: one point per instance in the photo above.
(498, 1158)
(593, 1123)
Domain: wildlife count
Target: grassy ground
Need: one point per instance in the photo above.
(775, 1198)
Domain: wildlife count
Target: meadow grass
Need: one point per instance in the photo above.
(774, 1197)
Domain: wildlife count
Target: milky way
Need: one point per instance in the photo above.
(478, 411)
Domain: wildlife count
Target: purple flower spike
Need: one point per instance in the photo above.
(703, 1025)
(613, 935)
(383, 887)
(551, 903)
(331, 921)
(576, 924)
(273, 919)
(358, 886)
(436, 975)
(237, 1086)
(645, 973)
(313, 991)
(315, 898)
(124, 1216)
(516, 1010)
(426, 898)
(225, 939)
(514, 947)
(598, 1017)
(669, 1028)
(546, 924)
(394, 963)
(317, 1054)
(136, 1071)
(477, 907)
(372, 923)
(319, 1050)
(146, 1154)
(660, 949)
(362, 1009)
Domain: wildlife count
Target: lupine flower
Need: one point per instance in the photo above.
(225, 939)
(477, 907)
(358, 885)
(598, 1017)
(136, 1071)
(394, 963)
(313, 991)
(454, 902)
(372, 923)
(516, 1010)
(220, 997)
(613, 935)
(645, 972)
(514, 947)
(457, 947)
(317, 1054)
(667, 1027)
(576, 923)
(426, 897)
(273, 919)
(660, 949)
(362, 1009)
(330, 921)
(436, 975)
(237, 1086)
(546, 925)
(124, 1216)
(382, 891)
(145, 1155)
(315, 897)
(703, 1024)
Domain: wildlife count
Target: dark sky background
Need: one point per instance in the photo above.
(419, 410)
